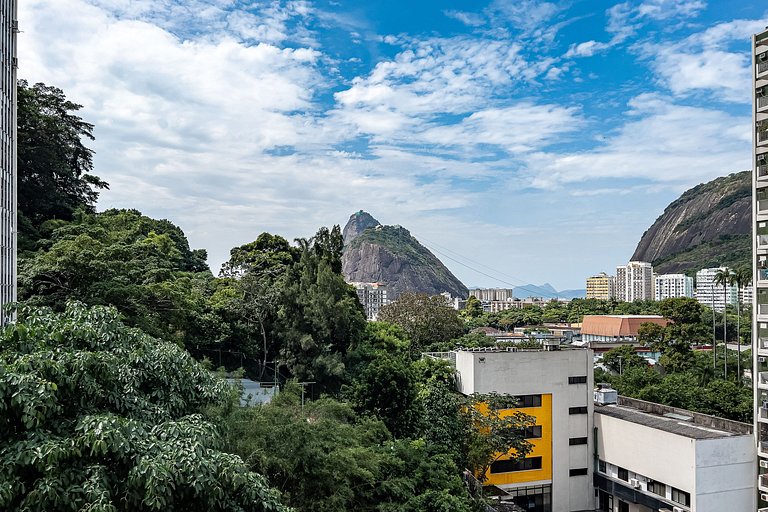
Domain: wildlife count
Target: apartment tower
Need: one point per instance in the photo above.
(670, 286)
(8, 156)
(601, 286)
(760, 258)
(634, 281)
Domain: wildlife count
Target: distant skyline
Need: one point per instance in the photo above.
(531, 141)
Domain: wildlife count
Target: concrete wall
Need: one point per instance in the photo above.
(542, 372)
(726, 474)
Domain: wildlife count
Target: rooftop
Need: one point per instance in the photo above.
(677, 421)
(618, 325)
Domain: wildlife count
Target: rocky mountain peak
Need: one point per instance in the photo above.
(357, 223)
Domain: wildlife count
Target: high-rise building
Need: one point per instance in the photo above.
(634, 281)
(492, 294)
(669, 286)
(373, 297)
(601, 286)
(8, 155)
(714, 295)
(760, 257)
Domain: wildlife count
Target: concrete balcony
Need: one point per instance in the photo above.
(762, 241)
(762, 171)
(762, 68)
(762, 417)
(762, 102)
(762, 309)
(762, 274)
(762, 382)
(762, 346)
(762, 136)
(762, 449)
(762, 483)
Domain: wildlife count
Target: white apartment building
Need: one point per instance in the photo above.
(492, 294)
(373, 296)
(670, 286)
(554, 386)
(759, 93)
(652, 457)
(634, 281)
(712, 295)
(9, 25)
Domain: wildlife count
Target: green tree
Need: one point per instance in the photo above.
(498, 430)
(97, 416)
(424, 319)
(268, 254)
(741, 277)
(723, 277)
(623, 358)
(473, 308)
(54, 166)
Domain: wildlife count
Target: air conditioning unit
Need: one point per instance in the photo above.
(634, 482)
(761, 359)
(764, 497)
(677, 509)
(764, 464)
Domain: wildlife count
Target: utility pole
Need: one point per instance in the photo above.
(714, 335)
(303, 386)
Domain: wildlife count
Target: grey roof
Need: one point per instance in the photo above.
(667, 424)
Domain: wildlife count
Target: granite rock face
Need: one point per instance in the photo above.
(709, 225)
(391, 255)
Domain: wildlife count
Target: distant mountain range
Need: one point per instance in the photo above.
(546, 291)
(707, 226)
(391, 255)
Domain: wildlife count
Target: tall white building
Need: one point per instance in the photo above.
(669, 286)
(634, 281)
(759, 95)
(492, 294)
(373, 297)
(713, 295)
(8, 154)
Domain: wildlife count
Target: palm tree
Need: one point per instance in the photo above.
(723, 277)
(741, 277)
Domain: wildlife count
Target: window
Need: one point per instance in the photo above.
(577, 440)
(581, 379)
(577, 410)
(623, 474)
(623, 507)
(528, 400)
(507, 466)
(578, 472)
(681, 497)
(602, 466)
(532, 432)
(657, 488)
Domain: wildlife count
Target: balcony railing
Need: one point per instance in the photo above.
(762, 309)
(762, 343)
(762, 380)
(762, 274)
(762, 206)
(762, 101)
(763, 481)
(762, 240)
(762, 136)
(763, 447)
(762, 170)
(762, 67)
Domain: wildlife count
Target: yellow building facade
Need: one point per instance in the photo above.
(537, 466)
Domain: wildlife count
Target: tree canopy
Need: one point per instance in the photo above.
(98, 416)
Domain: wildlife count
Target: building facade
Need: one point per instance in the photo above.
(652, 457)
(760, 257)
(492, 294)
(714, 295)
(601, 286)
(604, 332)
(8, 156)
(555, 387)
(634, 281)
(373, 296)
(670, 286)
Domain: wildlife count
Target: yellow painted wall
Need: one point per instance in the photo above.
(541, 448)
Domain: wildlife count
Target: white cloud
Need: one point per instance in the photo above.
(705, 61)
(665, 143)
(470, 19)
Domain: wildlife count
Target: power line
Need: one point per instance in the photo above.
(549, 295)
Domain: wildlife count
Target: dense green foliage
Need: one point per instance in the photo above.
(54, 166)
(97, 416)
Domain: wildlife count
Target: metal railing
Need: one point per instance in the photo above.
(762, 101)
(762, 170)
(762, 136)
(762, 67)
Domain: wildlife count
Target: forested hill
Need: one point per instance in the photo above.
(391, 255)
(709, 225)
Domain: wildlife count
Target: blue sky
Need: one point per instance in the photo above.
(534, 141)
